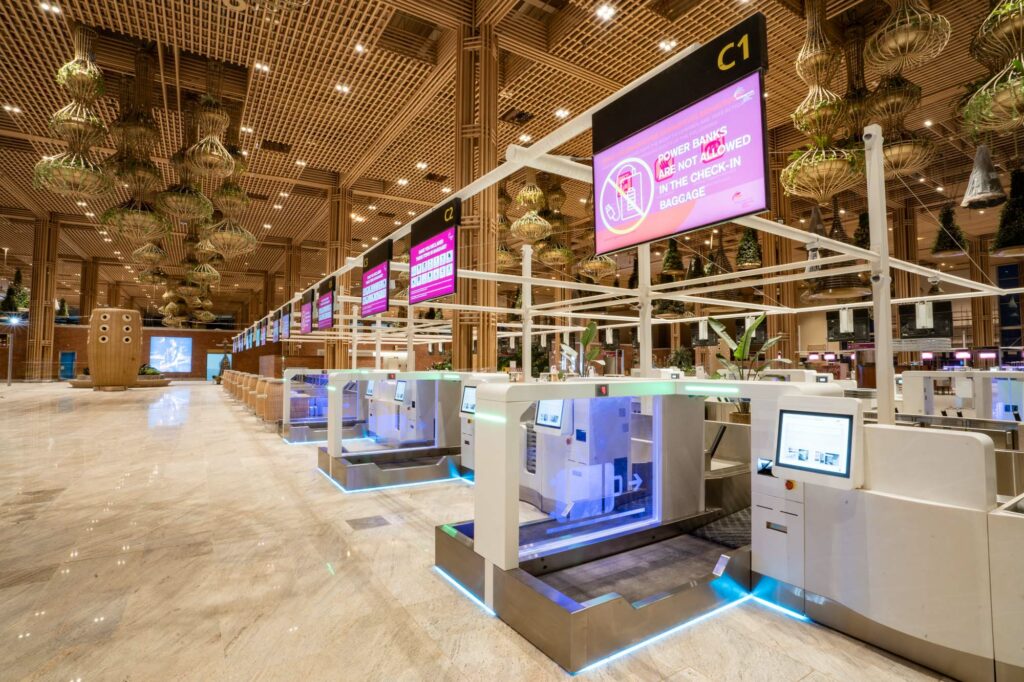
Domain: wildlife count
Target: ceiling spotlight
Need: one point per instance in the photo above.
(376, 239)
(342, 88)
(525, 138)
(47, 7)
(81, 203)
(300, 163)
(940, 189)
(283, 195)
(108, 239)
(802, 221)
(667, 45)
(90, 214)
(982, 211)
(267, 226)
(928, 123)
(261, 67)
(561, 113)
(245, 152)
(446, 190)
(372, 207)
(360, 48)
(117, 253)
(278, 206)
(365, 245)
(412, 212)
(402, 182)
(246, 129)
(421, 165)
(922, 180)
(398, 222)
(11, 109)
(605, 12)
(583, 200)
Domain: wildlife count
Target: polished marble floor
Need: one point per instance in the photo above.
(160, 534)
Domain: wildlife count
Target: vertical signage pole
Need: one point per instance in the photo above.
(527, 314)
(880, 274)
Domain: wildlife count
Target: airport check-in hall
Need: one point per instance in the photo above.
(512, 340)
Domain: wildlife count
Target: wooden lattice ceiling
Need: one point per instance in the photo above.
(395, 59)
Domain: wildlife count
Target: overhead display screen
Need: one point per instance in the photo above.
(171, 354)
(816, 442)
(549, 413)
(469, 399)
(286, 323)
(306, 313)
(263, 333)
(325, 304)
(376, 280)
(703, 165)
(275, 329)
(433, 261)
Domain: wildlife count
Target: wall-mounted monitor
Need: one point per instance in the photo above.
(171, 354)
(369, 389)
(850, 325)
(400, 391)
(549, 413)
(469, 399)
(325, 304)
(306, 312)
(921, 321)
(433, 254)
(703, 165)
(275, 329)
(286, 323)
(818, 442)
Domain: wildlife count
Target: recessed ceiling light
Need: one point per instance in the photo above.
(278, 206)
(81, 203)
(667, 45)
(47, 7)
(108, 239)
(802, 220)
(261, 67)
(246, 129)
(398, 222)
(412, 212)
(583, 200)
(940, 189)
(421, 165)
(922, 180)
(103, 231)
(403, 182)
(707, 242)
(245, 152)
(842, 211)
(371, 207)
(342, 88)
(365, 245)
(11, 109)
(283, 194)
(525, 138)
(117, 253)
(360, 48)
(561, 113)
(982, 211)
(300, 162)
(376, 238)
(446, 190)
(267, 226)
(605, 12)
(90, 214)
(928, 123)
(714, 231)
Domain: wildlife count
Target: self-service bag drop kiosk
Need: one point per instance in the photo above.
(304, 405)
(626, 545)
(395, 428)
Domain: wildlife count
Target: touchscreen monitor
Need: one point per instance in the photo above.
(817, 442)
(469, 399)
(369, 389)
(400, 391)
(549, 413)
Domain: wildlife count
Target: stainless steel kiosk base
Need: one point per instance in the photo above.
(365, 471)
(548, 601)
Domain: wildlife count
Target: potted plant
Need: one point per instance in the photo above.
(672, 262)
(591, 351)
(1009, 239)
(862, 235)
(950, 240)
(681, 358)
(745, 364)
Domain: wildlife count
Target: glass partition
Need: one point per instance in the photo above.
(587, 468)
(305, 416)
(381, 415)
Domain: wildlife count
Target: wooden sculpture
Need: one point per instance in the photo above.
(115, 348)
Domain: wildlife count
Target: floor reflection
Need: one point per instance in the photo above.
(171, 409)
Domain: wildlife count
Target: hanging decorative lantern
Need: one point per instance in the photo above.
(821, 116)
(135, 132)
(597, 267)
(949, 240)
(819, 60)
(907, 154)
(530, 227)
(187, 290)
(209, 158)
(998, 105)
(556, 196)
(820, 174)
(231, 199)
(174, 321)
(857, 93)
(81, 78)
(504, 200)
(530, 195)
(984, 190)
(136, 221)
(748, 253)
(506, 259)
(152, 276)
(1000, 38)
(203, 274)
(910, 36)
(204, 316)
(149, 254)
(232, 240)
(839, 287)
(72, 175)
(672, 262)
(1009, 239)
(667, 309)
(183, 201)
(171, 296)
(893, 99)
(556, 255)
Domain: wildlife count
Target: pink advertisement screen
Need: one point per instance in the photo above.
(701, 166)
(325, 310)
(306, 319)
(375, 290)
(432, 267)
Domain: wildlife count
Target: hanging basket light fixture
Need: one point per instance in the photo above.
(910, 36)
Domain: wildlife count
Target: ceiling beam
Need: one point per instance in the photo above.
(452, 14)
(383, 196)
(794, 6)
(493, 11)
(517, 45)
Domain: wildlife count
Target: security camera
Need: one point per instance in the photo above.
(875, 279)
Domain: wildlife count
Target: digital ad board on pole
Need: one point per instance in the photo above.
(325, 304)
(686, 149)
(376, 280)
(306, 312)
(433, 253)
(286, 321)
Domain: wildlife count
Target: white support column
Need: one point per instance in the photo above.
(355, 343)
(880, 274)
(410, 344)
(378, 328)
(527, 315)
(644, 327)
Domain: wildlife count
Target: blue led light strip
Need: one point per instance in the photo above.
(392, 487)
(472, 597)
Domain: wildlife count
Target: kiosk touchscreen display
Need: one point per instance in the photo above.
(400, 391)
(369, 389)
(469, 399)
(549, 413)
(817, 442)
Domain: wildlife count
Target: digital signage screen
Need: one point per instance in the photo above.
(286, 323)
(275, 330)
(433, 254)
(703, 165)
(171, 354)
(816, 442)
(376, 280)
(325, 304)
(549, 413)
(263, 333)
(306, 313)
(469, 399)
